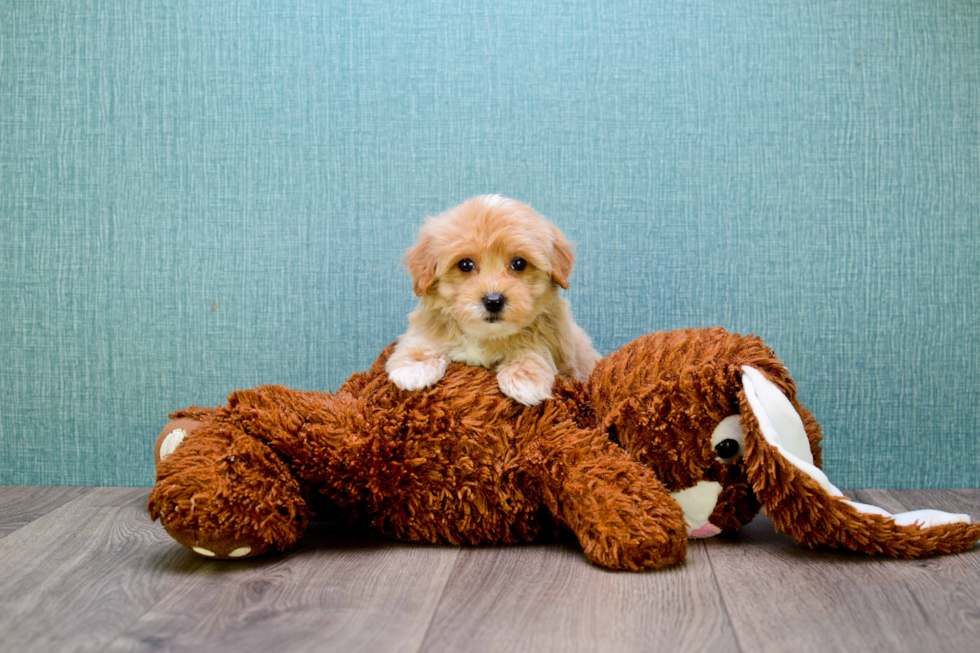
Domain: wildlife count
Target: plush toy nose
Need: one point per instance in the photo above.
(494, 303)
(704, 531)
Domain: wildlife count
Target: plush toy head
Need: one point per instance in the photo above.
(715, 415)
(676, 435)
(672, 401)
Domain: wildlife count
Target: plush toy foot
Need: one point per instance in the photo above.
(217, 545)
(221, 493)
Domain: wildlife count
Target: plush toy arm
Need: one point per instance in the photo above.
(802, 501)
(222, 492)
(314, 431)
(620, 513)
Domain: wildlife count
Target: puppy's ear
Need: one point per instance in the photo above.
(562, 258)
(421, 262)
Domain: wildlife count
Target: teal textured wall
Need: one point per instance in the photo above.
(198, 196)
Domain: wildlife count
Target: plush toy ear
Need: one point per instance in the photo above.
(421, 262)
(562, 259)
(801, 500)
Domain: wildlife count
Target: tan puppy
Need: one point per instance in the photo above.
(488, 273)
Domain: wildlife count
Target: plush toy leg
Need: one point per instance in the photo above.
(802, 501)
(618, 510)
(222, 493)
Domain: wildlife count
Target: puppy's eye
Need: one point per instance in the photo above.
(727, 448)
(466, 265)
(518, 264)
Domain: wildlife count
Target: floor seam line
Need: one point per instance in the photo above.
(442, 596)
(721, 597)
(88, 489)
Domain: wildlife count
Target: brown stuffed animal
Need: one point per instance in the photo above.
(676, 435)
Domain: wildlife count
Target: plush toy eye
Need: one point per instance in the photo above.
(727, 448)
(518, 264)
(466, 265)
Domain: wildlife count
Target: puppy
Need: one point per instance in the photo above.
(488, 273)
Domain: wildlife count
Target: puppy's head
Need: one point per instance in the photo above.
(491, 263)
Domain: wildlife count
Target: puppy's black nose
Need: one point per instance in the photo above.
(494, 303)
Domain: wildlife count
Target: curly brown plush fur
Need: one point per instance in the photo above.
(459, 463)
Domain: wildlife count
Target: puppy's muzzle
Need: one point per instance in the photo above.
(494, 303)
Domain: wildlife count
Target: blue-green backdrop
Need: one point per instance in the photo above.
(198, 196)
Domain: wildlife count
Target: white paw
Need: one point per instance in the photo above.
(171, 442)
(419, 374)
(528, 389)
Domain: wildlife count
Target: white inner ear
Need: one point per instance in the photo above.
(783, 429)
(782, 420)
(698, 502)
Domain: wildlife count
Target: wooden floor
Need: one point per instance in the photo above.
(84, 569)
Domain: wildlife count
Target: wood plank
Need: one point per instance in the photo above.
(94, 574)
(944, 590)
(74, 578)
(549, 598)
(332, 593)
(22, 504)
(781, 596)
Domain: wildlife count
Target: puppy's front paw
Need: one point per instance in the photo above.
(526, 381)
(418, 374)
